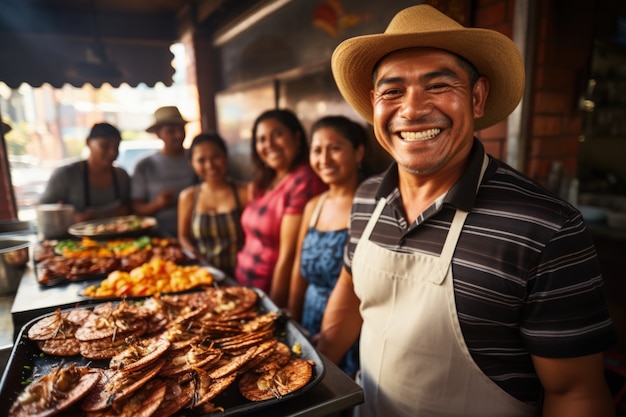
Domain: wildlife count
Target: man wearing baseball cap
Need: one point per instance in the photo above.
(475, 291)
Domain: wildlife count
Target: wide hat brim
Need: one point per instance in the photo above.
(173, 121)
(166, 115)
(494, 55)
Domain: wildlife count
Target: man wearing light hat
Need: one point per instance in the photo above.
(474, 290)
(158, 179)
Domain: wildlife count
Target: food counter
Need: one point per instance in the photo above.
(334, 393)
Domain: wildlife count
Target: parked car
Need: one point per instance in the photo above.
(29, 178)
(131, 151)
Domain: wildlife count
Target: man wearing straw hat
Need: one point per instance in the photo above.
(474, 290)
(158, 179)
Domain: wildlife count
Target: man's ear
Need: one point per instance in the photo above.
(479, 96)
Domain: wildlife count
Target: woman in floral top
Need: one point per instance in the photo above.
(282, 185)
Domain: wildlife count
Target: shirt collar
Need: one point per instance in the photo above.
(461, 195)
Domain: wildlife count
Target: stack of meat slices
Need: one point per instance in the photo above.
(54, 393)
(56, 334)
(130, 372)
(177, 354)
(106, 330)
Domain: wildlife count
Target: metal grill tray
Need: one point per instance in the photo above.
(26, 360)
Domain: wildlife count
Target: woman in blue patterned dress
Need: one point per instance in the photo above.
(336, 152)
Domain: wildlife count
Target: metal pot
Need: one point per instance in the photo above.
(53, 220)
(13, 261)
(14, 226)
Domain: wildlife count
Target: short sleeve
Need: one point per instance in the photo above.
(566, 314)
(56, 188)
(305, 185)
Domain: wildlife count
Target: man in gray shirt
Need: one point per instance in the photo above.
(158, 179)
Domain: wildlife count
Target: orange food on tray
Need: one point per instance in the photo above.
(154, 277)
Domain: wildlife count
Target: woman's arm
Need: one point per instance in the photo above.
(574, 387)
(243, 192)
(298, 283)
(289, 228)
(185, 207)
(164, 199)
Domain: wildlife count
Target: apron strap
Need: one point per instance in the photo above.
(87, 187)
(457, 223)
(374, 218)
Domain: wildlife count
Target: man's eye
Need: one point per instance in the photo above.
(437, 86)
(390, 93)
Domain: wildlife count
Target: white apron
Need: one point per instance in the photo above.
(414, 360)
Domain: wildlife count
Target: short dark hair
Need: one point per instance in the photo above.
(469, 68)
(350, 130)
(104, 130)
(210, 137)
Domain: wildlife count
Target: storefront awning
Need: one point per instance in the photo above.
(58, 62)
(41, 44)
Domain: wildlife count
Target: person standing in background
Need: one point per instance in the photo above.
(475, 291)
(337, 150)
(158, 179)
(209, 214)
(283, 183)
(95, 187)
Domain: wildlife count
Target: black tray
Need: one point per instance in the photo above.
(26, 360)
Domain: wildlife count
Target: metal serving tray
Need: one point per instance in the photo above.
(27, 360)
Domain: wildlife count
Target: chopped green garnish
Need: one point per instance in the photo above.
(143, 241)
(27, 367)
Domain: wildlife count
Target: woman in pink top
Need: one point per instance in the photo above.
(282, 185)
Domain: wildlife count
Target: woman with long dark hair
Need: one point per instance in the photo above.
(282, 185)
(337, 150)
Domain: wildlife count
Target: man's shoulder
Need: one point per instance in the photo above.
(147, 161)
(523, 194)
(69, 169)
(369, 187)
(122, 173)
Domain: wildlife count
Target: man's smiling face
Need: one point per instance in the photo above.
(424, 108)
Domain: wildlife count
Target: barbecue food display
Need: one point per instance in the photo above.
(154, 277)
(59, 262)
(187, 354)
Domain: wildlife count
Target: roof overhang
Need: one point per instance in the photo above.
(67, 42)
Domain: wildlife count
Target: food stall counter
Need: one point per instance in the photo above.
(334, 393)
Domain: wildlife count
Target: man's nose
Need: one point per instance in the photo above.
(415, 104)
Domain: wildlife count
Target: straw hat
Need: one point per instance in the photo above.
(167, 115)
(493, 54)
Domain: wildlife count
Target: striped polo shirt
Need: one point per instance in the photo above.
(526, 276)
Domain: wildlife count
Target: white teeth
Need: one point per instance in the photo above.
(415, 136)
